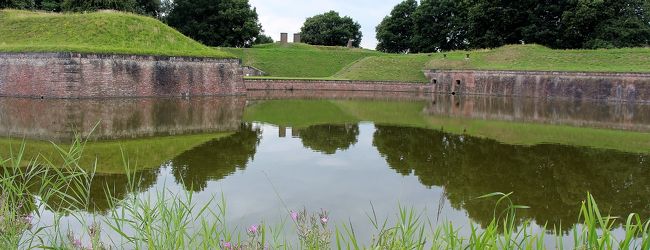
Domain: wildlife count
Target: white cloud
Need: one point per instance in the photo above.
(288, 16)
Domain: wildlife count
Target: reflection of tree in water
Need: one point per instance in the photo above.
(329, 138)
(551, 179)
(216, 159)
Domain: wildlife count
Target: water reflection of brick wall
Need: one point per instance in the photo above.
(600, 114)
(71, 75)
(628, 87)
(56, 119)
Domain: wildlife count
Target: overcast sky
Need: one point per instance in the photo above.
(288, 16)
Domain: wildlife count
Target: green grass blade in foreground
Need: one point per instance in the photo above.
(166, 219)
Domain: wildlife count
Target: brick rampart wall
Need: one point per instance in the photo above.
(74, 75)
(628, 87)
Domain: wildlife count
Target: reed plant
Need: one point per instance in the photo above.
(169, 219)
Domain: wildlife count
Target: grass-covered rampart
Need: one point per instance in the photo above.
(104, 32)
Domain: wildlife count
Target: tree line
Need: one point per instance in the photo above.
(427, 26)
(441, 25)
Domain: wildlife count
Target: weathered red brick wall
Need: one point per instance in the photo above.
(629, 87)
(343, 85)
(74, 75)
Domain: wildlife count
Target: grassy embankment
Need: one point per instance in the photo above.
(304, 113)
(300, 61)
(105, 32)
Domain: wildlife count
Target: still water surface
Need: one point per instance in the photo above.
(270, 152)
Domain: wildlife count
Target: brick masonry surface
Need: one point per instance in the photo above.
(338, 85)
(627, 87)
(74, 75)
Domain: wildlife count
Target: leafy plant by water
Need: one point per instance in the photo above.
(166, 219)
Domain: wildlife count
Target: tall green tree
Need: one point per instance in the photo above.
(17, 4)
(331, 29)
(395, 32)
(263, 39)
(49, 5)
(544, 26)
(231, 23)
(494, 23)
(148, 7)
(440, 25)
(92, 5)
(607, 23)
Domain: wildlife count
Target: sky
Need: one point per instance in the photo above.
(279, 16)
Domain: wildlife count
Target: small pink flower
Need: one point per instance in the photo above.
(77, 243)
(227, 245)
(253, 229)
(324, 220)
(294, 215)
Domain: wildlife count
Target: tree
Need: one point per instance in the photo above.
(92, 5)
(331, 29)
(439, 25)
(17, 4)
(263, 39)
(544, 24)
(494, 23)
(49, 5)
(395, 32)
(231, 23)
(607, 23)
(148, 7)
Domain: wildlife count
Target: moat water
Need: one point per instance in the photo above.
(354, 153)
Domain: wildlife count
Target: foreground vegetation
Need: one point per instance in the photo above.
(165, 220)
(105, 32)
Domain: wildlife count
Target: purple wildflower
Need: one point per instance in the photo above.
(253, 229)
(77, 243)
(294, 215)
(227, 245)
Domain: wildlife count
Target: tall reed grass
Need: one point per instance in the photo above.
(164, 219)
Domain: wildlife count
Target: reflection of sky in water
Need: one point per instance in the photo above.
(285, 172)
(344, 183)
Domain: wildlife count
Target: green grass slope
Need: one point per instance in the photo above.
(536, 57)
(299, 60)
(302, 61)
(105, 32)
(403, 68)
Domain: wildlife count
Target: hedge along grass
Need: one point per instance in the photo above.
(104, 32)
(540, 58)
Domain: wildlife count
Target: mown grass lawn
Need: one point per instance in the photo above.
(105, 32)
